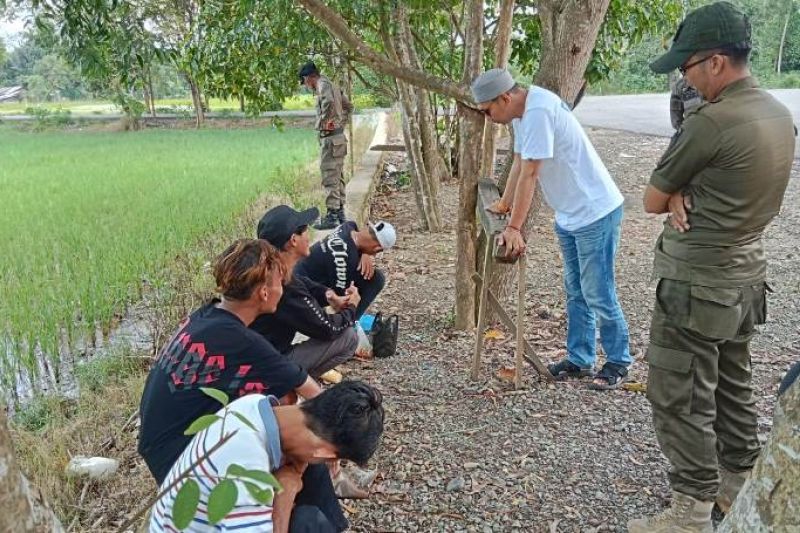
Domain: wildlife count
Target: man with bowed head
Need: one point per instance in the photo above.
(551, 147)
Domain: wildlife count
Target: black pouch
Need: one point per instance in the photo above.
(384, 335)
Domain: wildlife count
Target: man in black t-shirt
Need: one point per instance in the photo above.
(331, 337)
(214, 348)
(347, 257)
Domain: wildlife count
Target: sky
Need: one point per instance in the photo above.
(10, 31)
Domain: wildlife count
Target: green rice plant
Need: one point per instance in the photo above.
(89, 218)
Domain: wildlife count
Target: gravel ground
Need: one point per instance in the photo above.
(460, 455)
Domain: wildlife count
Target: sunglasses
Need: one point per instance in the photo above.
(487, 111)
(685, 68)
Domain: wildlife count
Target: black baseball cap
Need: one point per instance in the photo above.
(279, 223)
(307, 70)
(717, 25)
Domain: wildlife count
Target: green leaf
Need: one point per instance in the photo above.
(244, 420)
(262, 496)
(185, 505)
(256, 475)
(201, 423)
(222, 500)
(235, 470)
(217, 394)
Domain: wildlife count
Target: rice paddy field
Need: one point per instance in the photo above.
(87, 218)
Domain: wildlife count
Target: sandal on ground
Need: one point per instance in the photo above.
(610, 377)
(345, 487)
(567, 369)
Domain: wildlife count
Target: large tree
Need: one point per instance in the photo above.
(565, 33)
(770, 499)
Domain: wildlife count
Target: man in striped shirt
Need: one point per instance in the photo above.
(344, 422)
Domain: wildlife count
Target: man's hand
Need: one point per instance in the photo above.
(330, 126)
(679, 205)
(333, 467)
(366, 265)
(353, 298)
(290, 476)
(335, 301)
(499, 207)
(513, 241)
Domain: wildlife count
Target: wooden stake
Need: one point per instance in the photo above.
(520, 322)
(487, 265)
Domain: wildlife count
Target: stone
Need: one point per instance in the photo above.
(456, 484)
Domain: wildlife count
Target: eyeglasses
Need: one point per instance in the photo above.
(685, 68)
(487, 111)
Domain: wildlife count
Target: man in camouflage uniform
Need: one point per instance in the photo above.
(333, 114)
(683, 99)
(722, 181)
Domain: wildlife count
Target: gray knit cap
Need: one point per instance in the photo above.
(491, 84)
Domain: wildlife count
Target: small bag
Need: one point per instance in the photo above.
(384, 335)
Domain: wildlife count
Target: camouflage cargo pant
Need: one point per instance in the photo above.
(699, 382)
(333, 150)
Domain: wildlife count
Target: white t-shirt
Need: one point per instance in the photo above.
(575, 182)
(257, 449)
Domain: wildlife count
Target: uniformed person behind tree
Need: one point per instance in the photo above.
(683, 99)
(333, 114)
(722, 181)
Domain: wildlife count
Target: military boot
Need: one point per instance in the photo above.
(685, 515)
(729, 487)
(340, 215)
(329, 221)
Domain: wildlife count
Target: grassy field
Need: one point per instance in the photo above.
(100, 107)
(88, 219)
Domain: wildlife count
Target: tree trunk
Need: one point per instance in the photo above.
(568, 37)
(150, 91)
(241, 103)
(779, 61)
(420, 141)
(502, 50)
(23, 508)
(569, 31)
(500, 282)
(432, 156)
(770, 499)
(427, 199)
(471, 123)
(197, 101)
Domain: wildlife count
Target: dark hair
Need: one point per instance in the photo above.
(244, 265)
(739, 54)
(349, 416)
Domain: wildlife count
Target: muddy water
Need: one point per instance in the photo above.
(133, 334)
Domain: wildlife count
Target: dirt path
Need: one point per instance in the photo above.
(475, 456)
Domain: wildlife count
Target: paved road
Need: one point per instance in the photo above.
(649, 113)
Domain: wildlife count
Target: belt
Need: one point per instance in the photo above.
(328, 133)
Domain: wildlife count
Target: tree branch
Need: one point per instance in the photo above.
(339, 28)
(421, 42)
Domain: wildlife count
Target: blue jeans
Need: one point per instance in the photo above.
(588, 255)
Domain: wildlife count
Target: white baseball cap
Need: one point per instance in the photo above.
(385, 234)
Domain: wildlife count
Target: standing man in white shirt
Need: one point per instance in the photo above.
(551, 147)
